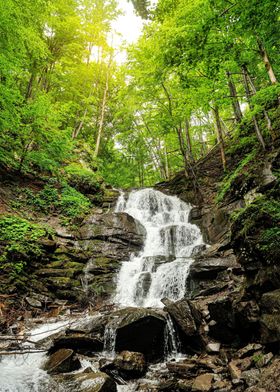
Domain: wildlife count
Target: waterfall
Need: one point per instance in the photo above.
(162, 267)
(171, 340)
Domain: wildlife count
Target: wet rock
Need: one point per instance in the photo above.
(80, 343)
(270, 328)
(270, 302)
(251, 377)
(62, 361)
(249, 350)
(264, 360)
(186, 315)
(222, 313)
(130, 364)
(203, 383)
(113, 228)
(183, 369)
(234, 371)
(90, 382)
(35, 303)
(140, 330)
(208, 268)
(213, 347)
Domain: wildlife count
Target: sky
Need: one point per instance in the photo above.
(127, 29)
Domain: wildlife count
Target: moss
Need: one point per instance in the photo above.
(227, 182)
(20, 243)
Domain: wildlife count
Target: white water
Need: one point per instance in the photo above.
(162, 267)
(22, 372)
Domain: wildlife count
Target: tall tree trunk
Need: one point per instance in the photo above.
(254, 90)
(103, 107)
(255, 121)
(267, 62)
(188, 139)
(234, 100)
(218, 127)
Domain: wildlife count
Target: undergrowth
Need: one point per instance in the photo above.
(19, 242)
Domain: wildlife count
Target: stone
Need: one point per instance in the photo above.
(80, 343)
(249, 350)
(235, 373)
(62, 361)
(270, 302)
(184, 314)
(270, 328)
(140, 330)
(251, 377)
(90, 381)
(264, 360)
(130, 364)
(208, 268)
(213, 347)
(203, 383)
(35, 303)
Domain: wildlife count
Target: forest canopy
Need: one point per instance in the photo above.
(203, 73)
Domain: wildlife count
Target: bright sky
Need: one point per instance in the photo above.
(127, 27)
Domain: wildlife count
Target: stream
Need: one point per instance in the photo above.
(159, 271)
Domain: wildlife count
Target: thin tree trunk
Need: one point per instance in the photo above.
(248, 95)
(267, 62)
(234, 100)
(103, 107)
(188, 139)
(254, 90)
(218, 127)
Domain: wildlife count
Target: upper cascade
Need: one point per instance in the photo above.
(161, 269)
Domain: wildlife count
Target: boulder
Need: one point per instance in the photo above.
(113, 227)
(130, 364)
(270, 328)
(90, 381)
(203, 383)
(140, 330)
(208, 268)
(270, 302)
(62, 361)
(80, 343)
(249, 350)
(187, 316)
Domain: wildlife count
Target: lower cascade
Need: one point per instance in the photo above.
(161, 269)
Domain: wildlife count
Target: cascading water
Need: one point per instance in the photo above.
(162, 267)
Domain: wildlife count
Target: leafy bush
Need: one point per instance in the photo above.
(83, 178)
(19, 240)
(60, 198)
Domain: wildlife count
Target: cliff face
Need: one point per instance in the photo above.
(240, 217)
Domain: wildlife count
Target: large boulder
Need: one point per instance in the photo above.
(89, 381)
(187, 316)
(62, 361)
(128, 365)
(78, 342)
(113, 227)
(140, 330)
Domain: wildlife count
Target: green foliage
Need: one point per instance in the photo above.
(60, 198)
(228, 180)
(259, 221)
(82, 178)
(19, 242)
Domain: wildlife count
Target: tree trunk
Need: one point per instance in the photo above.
(254, 90)
(234, 100)
(188, 139)
(219, 131)
(267, 62)
(248, 95)
(103, 107)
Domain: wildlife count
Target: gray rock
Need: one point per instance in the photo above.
(62, 361)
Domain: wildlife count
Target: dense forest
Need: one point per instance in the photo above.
(202, 73)
(139, 196)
